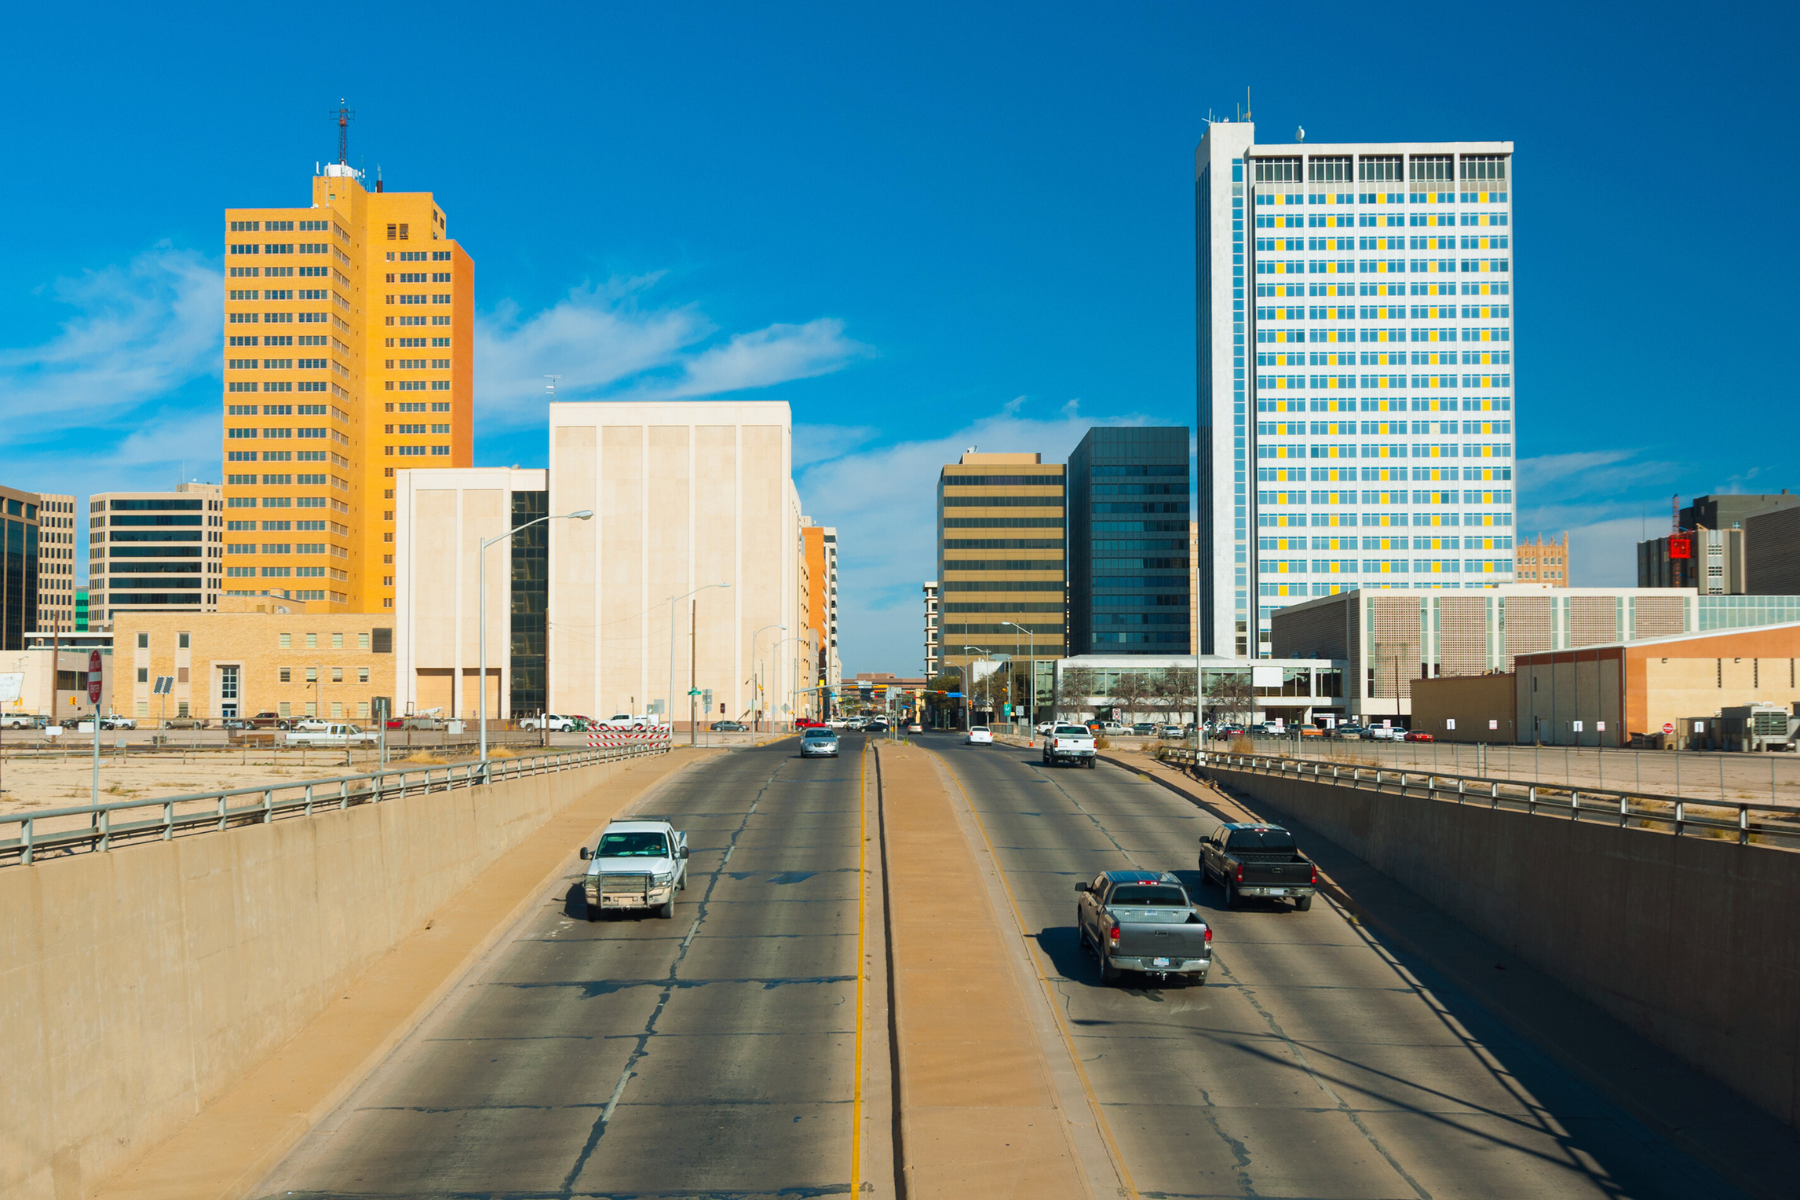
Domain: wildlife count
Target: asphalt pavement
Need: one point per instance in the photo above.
(1314, 1062)
(709, 1055)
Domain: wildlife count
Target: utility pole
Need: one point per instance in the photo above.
(693, 713)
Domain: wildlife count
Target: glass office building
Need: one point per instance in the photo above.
(1128, 512)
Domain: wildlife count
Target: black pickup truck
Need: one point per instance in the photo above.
(1257, 860)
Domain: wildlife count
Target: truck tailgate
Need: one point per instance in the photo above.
(1277, 874)
(1162, 941)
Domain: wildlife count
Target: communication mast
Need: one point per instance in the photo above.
(344, 116)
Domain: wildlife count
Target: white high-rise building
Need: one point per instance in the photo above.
(1355, 373)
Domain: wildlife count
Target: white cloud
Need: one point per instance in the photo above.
(881, 501)
(141, 331)
(605, 343)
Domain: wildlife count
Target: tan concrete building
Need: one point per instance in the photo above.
(157, 551)
(259, 654)
(687, 495)
(57, 565)
(1544, 561)
(441, 519)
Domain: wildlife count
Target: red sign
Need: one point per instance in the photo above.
(1681, 547)
(95, 668)
(1668, 728)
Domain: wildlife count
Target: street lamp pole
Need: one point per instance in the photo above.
(481, 590)
(1031, 673)
(672, 600)
(778, 645)
(756, 701)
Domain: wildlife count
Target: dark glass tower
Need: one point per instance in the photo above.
(1128, 542)
(530, 601)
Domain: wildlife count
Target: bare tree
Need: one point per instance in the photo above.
(1130, 695)
(1175, 688)
(1073, 689)
(1229, 693)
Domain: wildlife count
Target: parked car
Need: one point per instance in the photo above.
(1143, 921)
(1069, 744)
(1349, 731)
(1385, 733)
(115, 721)
(621, 721)
(1227, 732)
(637, 865)
(312, 724)
(19, 721)
(818, 742)
(552, 722)
(729, 727)
(1172, 731)
(1044, 727)
(1144, 729)
(266, 720)
(334, 734)
(185, 723)
(1418, 735)
(1113, 729)
(1311, 731)
(980, 735)
(1257, 860)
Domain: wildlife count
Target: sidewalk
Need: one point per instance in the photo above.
(979, 1113)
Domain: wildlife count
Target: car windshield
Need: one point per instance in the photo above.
(1261, 839)
(633, 845)
(1072, 731)
(979, 729)
(1149, 897)
(819, 733)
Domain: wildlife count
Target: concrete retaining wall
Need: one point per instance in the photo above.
(1692, 942)
(137, 985)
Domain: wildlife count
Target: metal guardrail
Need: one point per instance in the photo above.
(1646, 810)
(220, 810)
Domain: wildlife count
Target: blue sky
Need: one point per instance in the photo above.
(925, 227)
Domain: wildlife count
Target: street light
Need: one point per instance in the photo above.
(671, 700)
(481, 587)
(1031, 673)
(756, 701)
(792, 637)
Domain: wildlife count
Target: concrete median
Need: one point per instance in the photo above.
(182, 1011)
(979, 1115)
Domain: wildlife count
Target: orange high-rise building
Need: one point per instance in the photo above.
(348, 355)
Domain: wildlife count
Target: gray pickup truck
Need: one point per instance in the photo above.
(1143, 921)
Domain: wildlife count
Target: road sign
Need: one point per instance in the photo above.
(95, 669)
(1668, 728)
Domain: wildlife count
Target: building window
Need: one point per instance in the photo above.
(1328, 169)
(1431, 167)
(1484, 166)
(1378, 167)
(287, 675)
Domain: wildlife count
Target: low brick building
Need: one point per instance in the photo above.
(257, 654)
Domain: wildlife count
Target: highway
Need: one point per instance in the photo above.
(708, 1055)
(1313, 1063)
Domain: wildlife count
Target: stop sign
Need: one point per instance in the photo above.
(95, 668)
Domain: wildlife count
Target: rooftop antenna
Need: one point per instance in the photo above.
(1300, 134)
(1246, 103)
(551, 386)
(343, 115)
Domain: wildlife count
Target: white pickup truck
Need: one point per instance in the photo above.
(333, 735)
(1069, 743)
(626, 721)
(639, 864)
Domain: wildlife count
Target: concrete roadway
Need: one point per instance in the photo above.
(708, 1055)
(1313, 1063)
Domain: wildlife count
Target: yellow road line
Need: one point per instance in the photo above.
(1087, 1086)
(862, 910)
